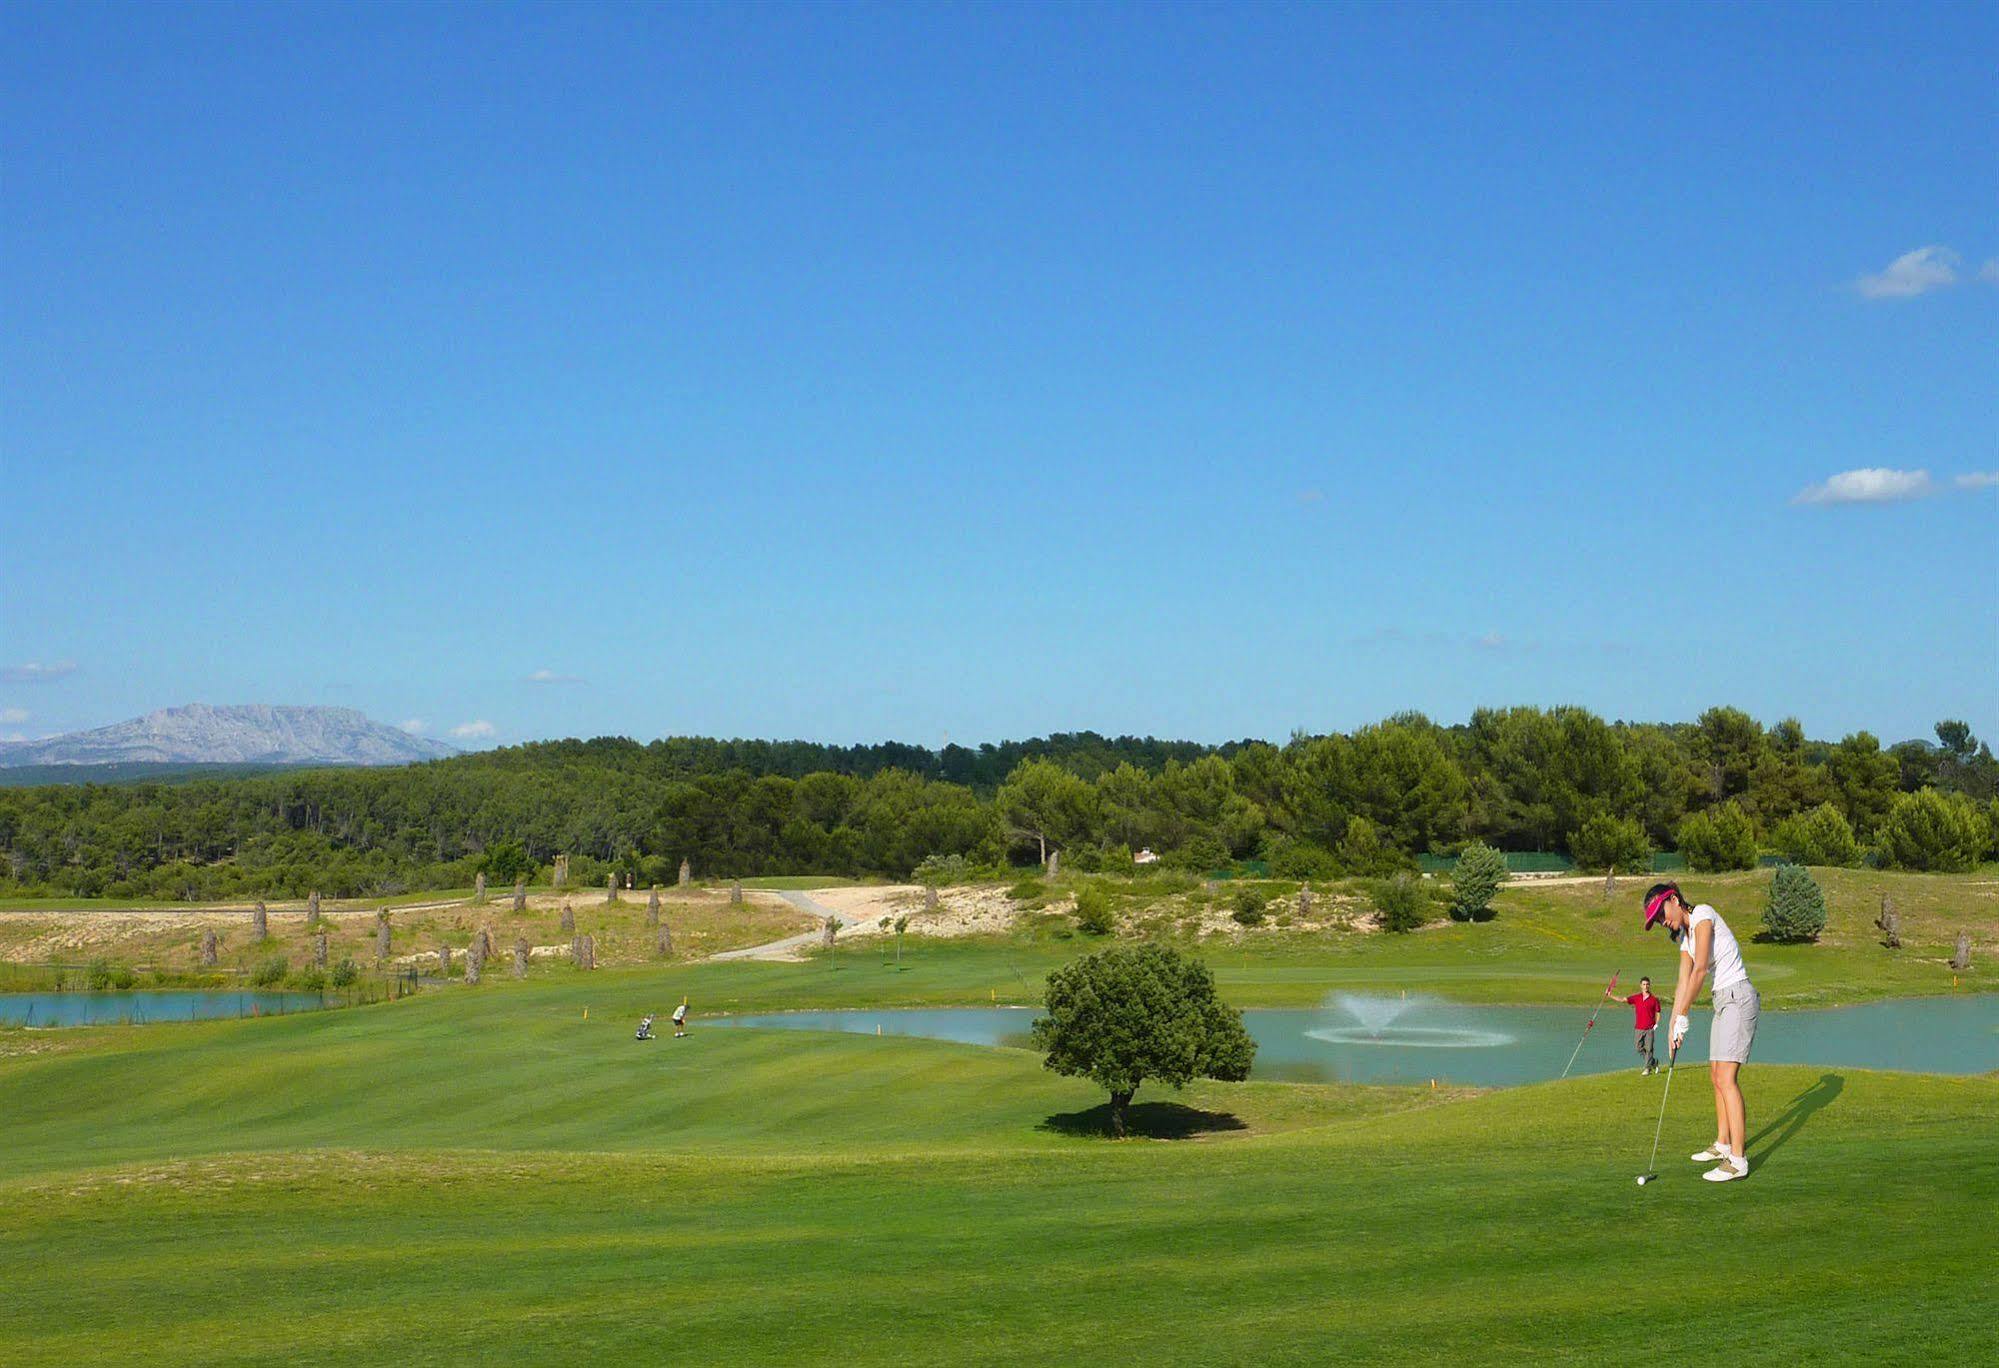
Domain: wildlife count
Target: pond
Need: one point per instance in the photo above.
(1360, 1039)
(104, 1009)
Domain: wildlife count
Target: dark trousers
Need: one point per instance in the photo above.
(1645, 1047)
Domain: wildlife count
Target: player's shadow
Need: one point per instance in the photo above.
(1792, 1119)
(1146, 1121)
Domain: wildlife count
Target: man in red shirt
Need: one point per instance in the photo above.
(1645, 1017)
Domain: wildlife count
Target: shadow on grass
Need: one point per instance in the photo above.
(1792, 1119)
(1146, 1121)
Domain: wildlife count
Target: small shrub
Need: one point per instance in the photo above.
(1822, 836)
(1607, 842)
(1201, 855)
(97, 975)
(1249, 907)
(1093, 912)
(1719, 839)
(1028, 890)
(270, 973)
(1475, 881)
(345, 972)
(939, 870)
(1402, 902)
(123, 978)
(1302, 860)
(312, 981)
(1797, 906)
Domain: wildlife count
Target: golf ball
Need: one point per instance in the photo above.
(1643, 1178)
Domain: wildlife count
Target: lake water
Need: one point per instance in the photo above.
(103, 1009)
(1359, 1039)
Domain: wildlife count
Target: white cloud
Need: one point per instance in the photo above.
(34, 672)
(13, 736)
(1989, 272)
(1978, 479)
(1873, 485)
(414, 725)
(547, 676)
(13, 714)
(480, 727)
(1912, 273)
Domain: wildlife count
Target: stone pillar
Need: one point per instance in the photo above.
(1304, 902)
(568, 918)
(1054, 863)
(1610, 883)
(520, 895)
(444, 961)
(473, 966)
(930, 899)
(611, 889)
(663, 941)
(652, 907)
(312, 910)
(686, 872)
(382, 935)
(560, 874)
(1960, 960)
(208, 949)
(521, 957)
(1890, 924)
(736, 892)
(479, 887)
(589, 951)
(260, 924)
(319, 951)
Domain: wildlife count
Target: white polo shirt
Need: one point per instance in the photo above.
(1725, 957)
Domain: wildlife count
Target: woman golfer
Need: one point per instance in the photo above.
(1708, 951)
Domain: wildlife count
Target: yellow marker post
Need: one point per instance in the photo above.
(586, 1013)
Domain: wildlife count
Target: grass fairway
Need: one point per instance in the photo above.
(490, 1176)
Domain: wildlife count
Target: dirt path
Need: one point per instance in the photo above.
(790, 948)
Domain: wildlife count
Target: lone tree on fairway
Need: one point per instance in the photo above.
(1797, 906)
(1475, 881)
(1119, 1017)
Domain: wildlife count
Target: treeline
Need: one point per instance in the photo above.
(1720, 790)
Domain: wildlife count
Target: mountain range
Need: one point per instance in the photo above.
(251, 734)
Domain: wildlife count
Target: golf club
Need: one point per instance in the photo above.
(1652, 1165)
(1608, 990)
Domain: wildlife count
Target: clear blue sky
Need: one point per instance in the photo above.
(857, 372)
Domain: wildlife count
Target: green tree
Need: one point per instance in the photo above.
(1864, 779)
(1475, 881)
(1403, 903)
(1819, 837)
(1720, 838)
(1093, 911)
(1942, 832)
(1607, 842)
(1729, 744)
(506, 862)
(1121, 1017)
(1796, 912)
(1046, 804)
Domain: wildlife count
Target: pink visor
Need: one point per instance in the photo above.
(1655, 907)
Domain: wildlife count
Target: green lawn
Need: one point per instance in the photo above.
(502, 1174)
(492, 1176)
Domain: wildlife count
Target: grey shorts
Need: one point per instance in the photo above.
(1736, 1008)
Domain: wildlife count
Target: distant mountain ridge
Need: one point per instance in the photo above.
(248, 734)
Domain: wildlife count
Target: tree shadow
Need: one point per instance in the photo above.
(1796, 1113)
(1146, 1121)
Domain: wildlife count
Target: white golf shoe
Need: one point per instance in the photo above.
(1712, 1154)
(1727, 1171)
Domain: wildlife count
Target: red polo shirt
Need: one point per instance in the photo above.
(1647, 1009)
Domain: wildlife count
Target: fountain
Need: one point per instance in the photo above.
(1371, 1020)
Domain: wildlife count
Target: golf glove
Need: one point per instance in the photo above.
(1680, 1024)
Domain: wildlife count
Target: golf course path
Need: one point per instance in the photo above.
(790, 946)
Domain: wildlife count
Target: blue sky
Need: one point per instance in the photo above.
(966, 371)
